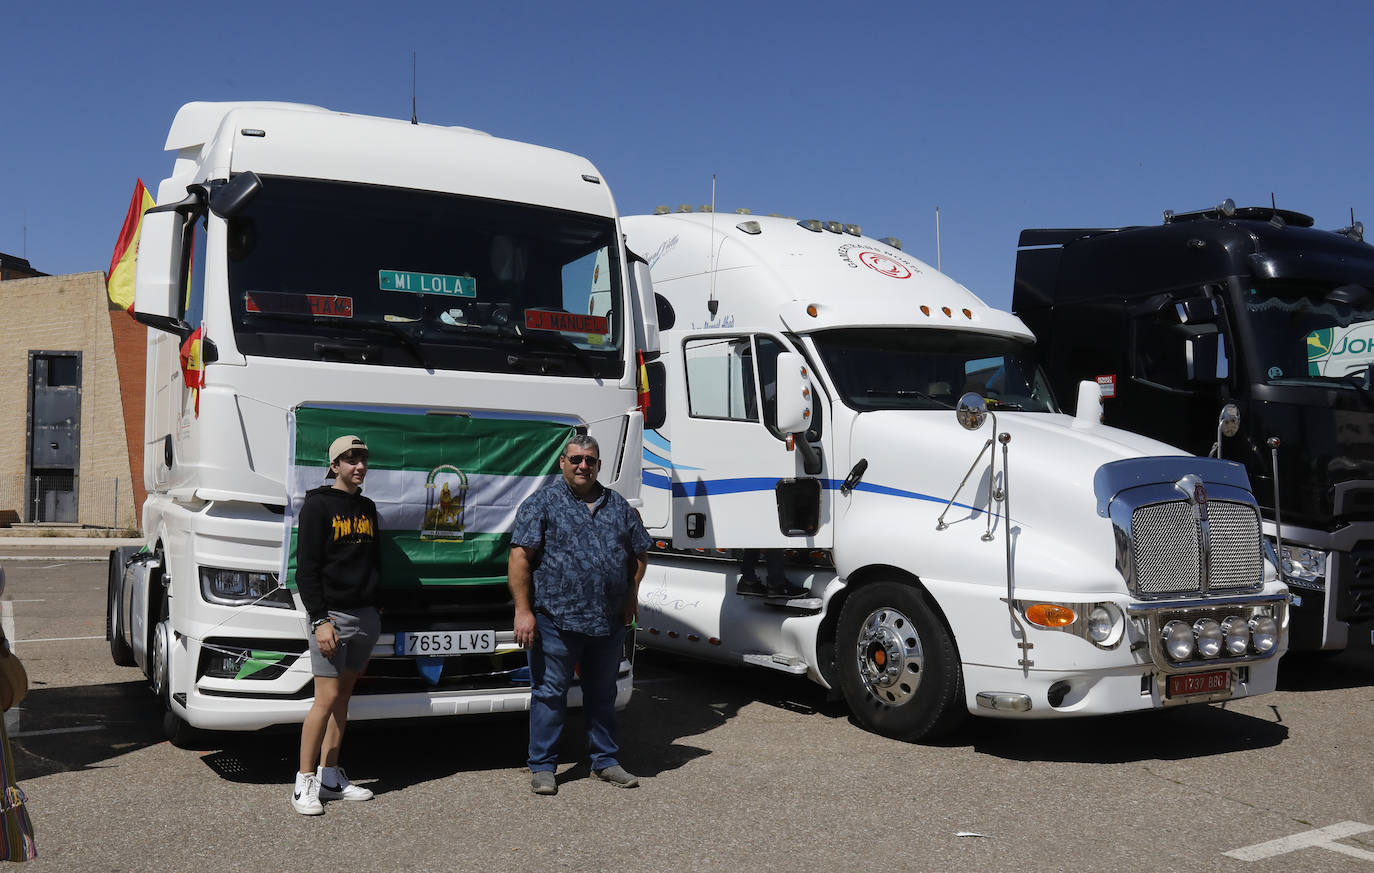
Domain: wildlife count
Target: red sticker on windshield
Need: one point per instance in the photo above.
(326, 305)
(565, 322)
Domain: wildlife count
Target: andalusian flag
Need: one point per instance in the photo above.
(446, 486)
(119, 282)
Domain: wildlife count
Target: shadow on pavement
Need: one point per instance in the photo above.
(80, 727)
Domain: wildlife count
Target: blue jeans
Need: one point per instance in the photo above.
(552, 659)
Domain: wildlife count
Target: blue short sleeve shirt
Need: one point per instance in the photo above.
(583, 559)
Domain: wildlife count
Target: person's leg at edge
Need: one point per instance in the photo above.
(600, 667)
(552, 658)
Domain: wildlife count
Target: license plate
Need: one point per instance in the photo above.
(440, 644)
(1200, 683)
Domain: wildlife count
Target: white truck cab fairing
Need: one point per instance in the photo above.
(949, 570)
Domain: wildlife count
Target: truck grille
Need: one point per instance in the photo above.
(1168, 548)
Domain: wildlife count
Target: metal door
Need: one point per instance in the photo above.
(54, 435)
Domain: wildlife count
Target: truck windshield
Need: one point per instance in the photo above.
(1304, 336)
(337, 271)
(904, 368)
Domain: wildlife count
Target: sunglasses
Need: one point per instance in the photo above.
(575, 460)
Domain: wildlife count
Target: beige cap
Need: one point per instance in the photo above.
(343, 445)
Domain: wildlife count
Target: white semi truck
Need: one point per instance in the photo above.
(966, 547)
(463, 302)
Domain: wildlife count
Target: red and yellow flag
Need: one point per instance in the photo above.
(119, 281)
(642, 385)
(193, 365)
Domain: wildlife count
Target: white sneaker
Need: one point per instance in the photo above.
(305, 799)
(344, 790)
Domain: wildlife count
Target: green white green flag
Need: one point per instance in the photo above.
(446, 486)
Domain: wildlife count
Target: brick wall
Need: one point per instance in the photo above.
(68, 313)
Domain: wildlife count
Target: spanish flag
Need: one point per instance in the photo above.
(119, 282)
(642, 386)
(193, 364)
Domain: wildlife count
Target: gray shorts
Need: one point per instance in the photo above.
(358, 630)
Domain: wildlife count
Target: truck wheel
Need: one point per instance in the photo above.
(176, 728)
(899, 670)
(120, 651)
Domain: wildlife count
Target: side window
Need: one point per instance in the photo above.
(1181, 346)
(193, 307)
(720, 379)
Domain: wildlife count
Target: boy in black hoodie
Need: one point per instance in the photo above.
(338, 569)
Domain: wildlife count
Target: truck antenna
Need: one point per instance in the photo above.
(414, 119)
(712, 304)
(1274, 204)
(938, 265)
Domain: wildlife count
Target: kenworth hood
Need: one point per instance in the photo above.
(916, 461)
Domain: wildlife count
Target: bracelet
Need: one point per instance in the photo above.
(315, 625)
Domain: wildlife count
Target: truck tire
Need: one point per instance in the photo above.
(174, 727)
(120, 651)
(899, 670)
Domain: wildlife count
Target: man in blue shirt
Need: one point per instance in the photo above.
(576, 559)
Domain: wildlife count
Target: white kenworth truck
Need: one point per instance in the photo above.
(965, 547)
(464, 303)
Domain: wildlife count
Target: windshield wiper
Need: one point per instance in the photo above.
(907, 392)
(407, 342)
(560, 343)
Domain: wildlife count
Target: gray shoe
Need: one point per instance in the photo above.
(543, 782)
(618, 777)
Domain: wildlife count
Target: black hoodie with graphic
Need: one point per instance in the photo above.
(338, 555)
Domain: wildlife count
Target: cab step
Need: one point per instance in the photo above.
(785, 663)
(803, 603)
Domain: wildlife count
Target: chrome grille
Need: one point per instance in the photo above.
(1236, 559)
(1168, 551)
(1165, 537)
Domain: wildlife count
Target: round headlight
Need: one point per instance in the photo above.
(1209, 637)
(1264, 633)
(1178, 640)
(1237, 633)
(1100, 625)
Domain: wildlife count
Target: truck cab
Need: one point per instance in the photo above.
(462, 301)
(1251, 312)
(964, 545)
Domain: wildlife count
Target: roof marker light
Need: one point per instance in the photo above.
(968, 313)
(834, 227)
(811, 224)
(750, 227)
(812, 311)
(253, 131)
(661, 210)
(892, 242)
(945, 310)
(925, 310)
(684, 207)
(588, 177)
(853, 230)
(743, 211)
(705, 207)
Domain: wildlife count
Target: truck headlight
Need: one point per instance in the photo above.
(1208, 636)
(1178, 640)
(243, 587)
(1264, 633)
(1303, 566)
(1237, 633)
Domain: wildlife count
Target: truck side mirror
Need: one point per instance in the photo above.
(1203, 354)
(156, 284)
(794, 393)
(645, 308)
(231, 198)
(657, 412)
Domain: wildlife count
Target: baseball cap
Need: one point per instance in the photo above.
(345, 444)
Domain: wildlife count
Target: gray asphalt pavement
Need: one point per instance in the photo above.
(746, 770)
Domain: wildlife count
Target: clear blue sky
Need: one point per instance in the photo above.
(1003, 115)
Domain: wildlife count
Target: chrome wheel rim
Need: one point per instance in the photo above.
(160, 658)
(889, 655)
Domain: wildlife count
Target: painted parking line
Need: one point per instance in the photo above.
(1321, 838)
(62, 639)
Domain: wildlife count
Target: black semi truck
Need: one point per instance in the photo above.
(1224, 313)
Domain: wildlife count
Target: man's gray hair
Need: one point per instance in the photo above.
(583, 441)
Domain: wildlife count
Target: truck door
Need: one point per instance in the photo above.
(737, 481)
